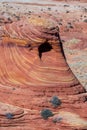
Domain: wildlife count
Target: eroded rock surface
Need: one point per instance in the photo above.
(32, 70)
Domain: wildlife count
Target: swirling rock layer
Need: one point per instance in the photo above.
(30, 77)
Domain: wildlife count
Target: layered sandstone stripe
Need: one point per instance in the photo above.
(28, 81)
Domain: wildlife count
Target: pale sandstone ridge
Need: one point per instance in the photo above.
(33, 69)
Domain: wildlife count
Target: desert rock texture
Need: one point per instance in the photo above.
(35, 75)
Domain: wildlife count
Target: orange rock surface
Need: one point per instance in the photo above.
(33, 69)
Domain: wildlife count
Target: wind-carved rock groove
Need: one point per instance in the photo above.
(32, 70)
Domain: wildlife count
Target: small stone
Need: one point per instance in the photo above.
(67, 11)
(85, 21)
(18, 18)
(60, 23)
(29, 11)
(63, 40)
(85, 9)
(61, 20)
(14, 89)
(56, 10)
(66, 5)
(49, 8)
(69, 25)
(41, 9)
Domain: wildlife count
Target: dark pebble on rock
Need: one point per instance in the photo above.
(85, 21)
(60, 23)
(67, 11)
(66, 5)
(49, 8)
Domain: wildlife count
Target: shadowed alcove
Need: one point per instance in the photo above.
(45, 47)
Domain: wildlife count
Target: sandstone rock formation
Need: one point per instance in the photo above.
(33, 68)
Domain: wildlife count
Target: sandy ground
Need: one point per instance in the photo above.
(72, 20)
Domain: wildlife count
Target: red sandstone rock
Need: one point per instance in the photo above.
(28, 82)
